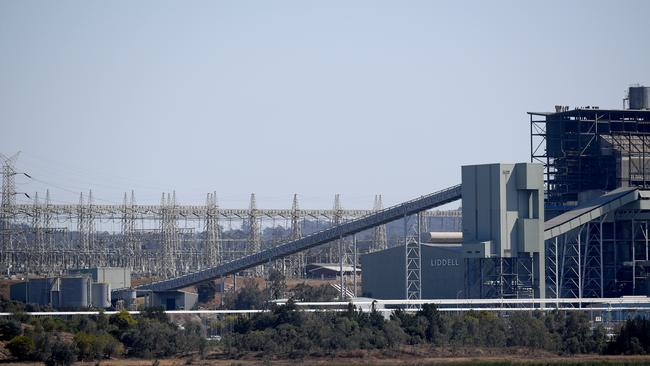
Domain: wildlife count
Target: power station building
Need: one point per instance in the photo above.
(596, 160)
(499, 253)
(573, 223)
(443, 268)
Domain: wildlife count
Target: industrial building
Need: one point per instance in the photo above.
(503, 217)
(573, 224)
(81, 288)
(502, 248)
(116, 277)
(587, 152)
(325, 271)
(173, 300)
(443, 268)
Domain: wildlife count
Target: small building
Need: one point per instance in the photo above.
(117, 277)
(328, 271)
(173, 300)
(442, 266)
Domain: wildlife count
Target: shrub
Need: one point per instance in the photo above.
(21, 347)
(63, 354)
(9, 329)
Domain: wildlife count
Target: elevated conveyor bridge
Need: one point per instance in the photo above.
(313, 240)
(590, 211)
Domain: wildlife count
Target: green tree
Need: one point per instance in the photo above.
(122, 320)
(304, 292)
(277, 283)
(528, 331)
(9, 329)
(206, 291)
(21, 347)
(85, 346)
(249, 297)
(156, 313)
(632, 338)
(63, 354)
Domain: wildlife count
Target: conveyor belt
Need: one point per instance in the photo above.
(594, 209)
(321, 237)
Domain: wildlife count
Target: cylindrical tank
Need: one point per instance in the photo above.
(74, 292)
(441, 237)
(101, 295)
(38, 290)
(639, 97)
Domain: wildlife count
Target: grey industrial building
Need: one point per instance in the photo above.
(116, 277)
(81, 288)
(173, 300)
(501, 254)
(503, 218)
(443, 268)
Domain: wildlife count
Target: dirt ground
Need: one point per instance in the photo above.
(586, 360)
(406, 356)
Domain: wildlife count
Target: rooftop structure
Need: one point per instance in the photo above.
(589, 149)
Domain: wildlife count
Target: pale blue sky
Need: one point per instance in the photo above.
(313, 97)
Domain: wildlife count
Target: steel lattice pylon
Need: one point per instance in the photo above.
(129, 248)
(413, 256)
(212, 251)
(380, 239)
(169, 230)
(7, 205)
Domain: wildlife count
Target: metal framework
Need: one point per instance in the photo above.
(590, 149)
(500, 277)
(413, 257)
(380, 239)
(162, 240)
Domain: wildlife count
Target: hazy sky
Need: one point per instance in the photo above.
(312, 97)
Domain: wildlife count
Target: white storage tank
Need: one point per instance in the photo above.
(101, 295)
(639, 97)
(75, 292)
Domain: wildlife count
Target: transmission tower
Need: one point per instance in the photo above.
(7, 205)
(296, 263)
(38, 253)
(380, 240)
(169, 230)
(129, 250)
(86, 229)
(47, 233)
(254, 235)
(335, 251)
(212, 253)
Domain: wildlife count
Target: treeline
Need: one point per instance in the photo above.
(61, 342)
(285, 332)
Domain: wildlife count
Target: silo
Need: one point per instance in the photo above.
(18, 292)
(639, 97)
(101, 295)
(75, 292)
(38, 290)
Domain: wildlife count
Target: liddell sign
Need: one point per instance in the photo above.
(444, 262)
